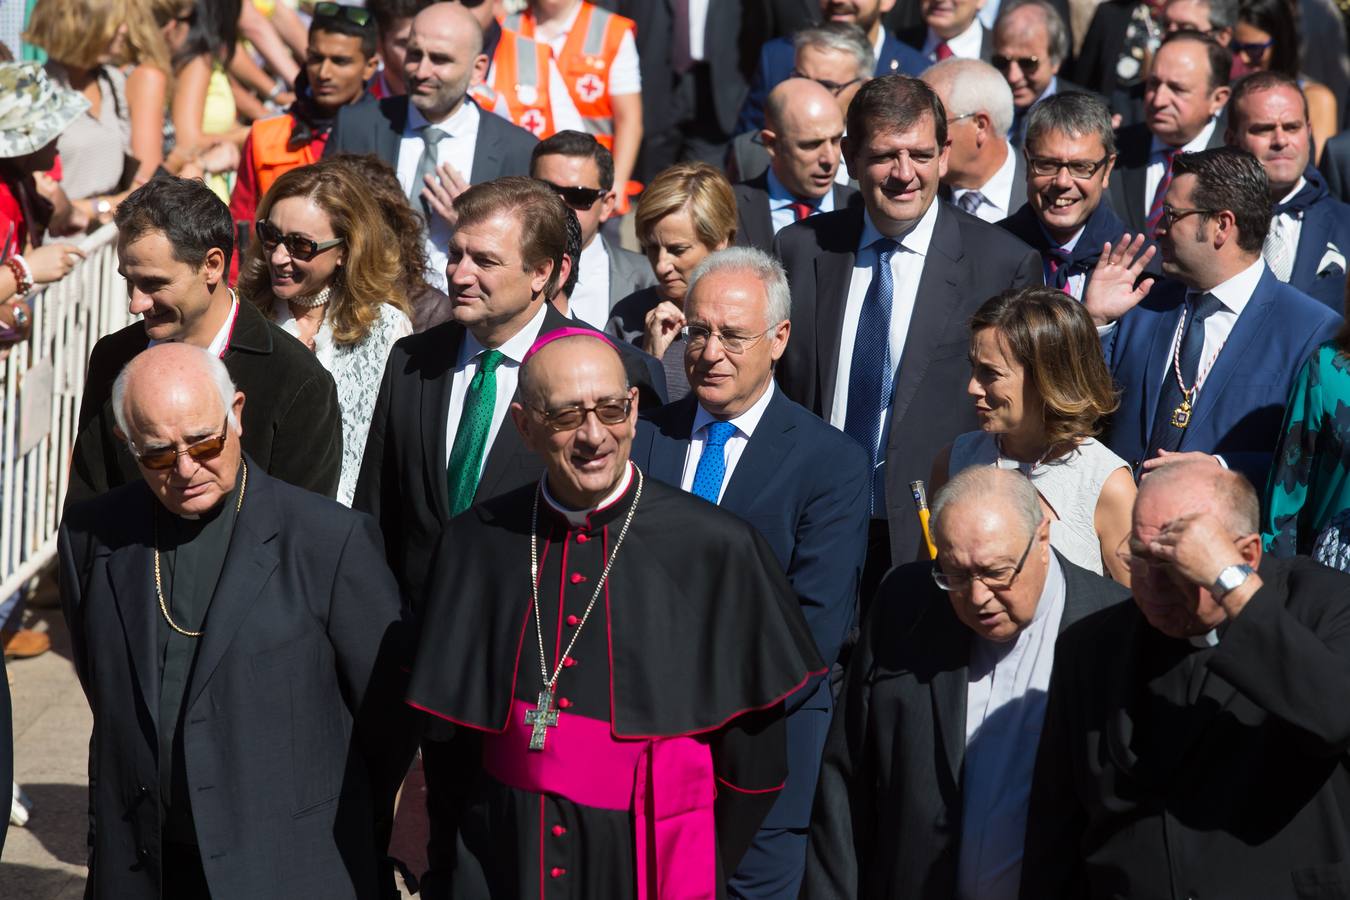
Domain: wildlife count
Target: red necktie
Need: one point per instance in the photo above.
(802, 210)
(1155, 208)
(944, 52)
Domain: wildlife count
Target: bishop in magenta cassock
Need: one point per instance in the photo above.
(606, 658)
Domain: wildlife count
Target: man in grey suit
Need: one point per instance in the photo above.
(803, 134)
(581, 170)
(985, 176)
(924, 785)
(436, 138)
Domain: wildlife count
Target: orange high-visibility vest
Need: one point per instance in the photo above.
(271, 159)
(590, 50)
(520, 77)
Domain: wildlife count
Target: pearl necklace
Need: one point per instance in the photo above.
(318, 299)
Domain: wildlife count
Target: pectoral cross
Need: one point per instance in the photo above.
(543, 716)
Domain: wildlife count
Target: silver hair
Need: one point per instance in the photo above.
(220, 377)
(1054, 25)
(840, 37)
(973, 87)
(756, 263)
(980, 485)
(1222, 13)
(1073, 113)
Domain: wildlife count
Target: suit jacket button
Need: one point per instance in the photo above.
(143, 854)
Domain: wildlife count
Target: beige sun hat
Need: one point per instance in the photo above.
(33, 110)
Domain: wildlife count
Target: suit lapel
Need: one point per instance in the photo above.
(1313, 238)
(389, 139)
(949, 685)
(834, 272)
(131, 576)
(487, 151)
(1250, 324)
(933, 305)
(434, 417)
(1159, 349)
(762, 457)
(667, 457)
(1018, 197)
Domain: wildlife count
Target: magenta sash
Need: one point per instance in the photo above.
(667, 784)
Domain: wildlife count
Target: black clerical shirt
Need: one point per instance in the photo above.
(192, 555)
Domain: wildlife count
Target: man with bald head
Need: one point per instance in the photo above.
(802, 133)
(238, 640)
(1031, 42)
(641, 706)
(436, 137)
(1195, 742)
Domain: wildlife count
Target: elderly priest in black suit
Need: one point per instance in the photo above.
(238, 640)
(1196, 740)
(924, 785)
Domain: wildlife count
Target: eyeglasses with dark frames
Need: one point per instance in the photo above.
(1028, 64)
(995, 579)
(1171, 215)
(298, 246)
(579, 198)
(1082, 169)
(570, 418)
(204, 450)
(834, 87)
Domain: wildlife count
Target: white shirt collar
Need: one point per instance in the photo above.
(1236, 291)
(515, 347)
(916, 240)
(878, 43)
(998, 189)
(965, 45)
(745, 423)
(577, 517)
(221, 342)
(1197, 143)
(1068, 245)
(1298, 186)
(462, 121)
(1205, 641)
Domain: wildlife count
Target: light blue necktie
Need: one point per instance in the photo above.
(712, 465)
(872, 372)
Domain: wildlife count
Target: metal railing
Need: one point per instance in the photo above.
(42, 380)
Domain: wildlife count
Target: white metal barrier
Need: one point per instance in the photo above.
(42, 381)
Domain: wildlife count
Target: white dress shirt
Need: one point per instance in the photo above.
(624, 75)
(997, 191)
(1288, 227)
(1233, 296)
(906, 270)
(698, 26)
(781, 200)
(988, 13)
(457, 149)
(221, 342)
(1005, 710)
(508, 376)
(589, 300)
(965, 45)
(1157, 163)
(745, 424)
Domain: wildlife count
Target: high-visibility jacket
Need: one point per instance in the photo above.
(591, 47)
(520, 80)
(271, 158)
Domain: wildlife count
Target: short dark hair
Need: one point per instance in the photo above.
(1276, 18)
(894, 103)
(538, 208)
(1261, 81)
(193, 218)
(1227, 178)
(340, 24)
(577, 143)
(387, 12)
(573, 251)
(1220, 57)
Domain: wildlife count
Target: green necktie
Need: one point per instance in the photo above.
(466, 456)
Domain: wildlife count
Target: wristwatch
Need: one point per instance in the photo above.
(1230, 579)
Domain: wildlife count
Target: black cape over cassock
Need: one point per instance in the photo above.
(696, 637)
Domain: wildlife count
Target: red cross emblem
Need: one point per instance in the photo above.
(533, 122)
(590, 88)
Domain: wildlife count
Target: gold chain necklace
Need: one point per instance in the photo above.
(159, 588)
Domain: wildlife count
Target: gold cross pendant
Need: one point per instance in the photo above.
(543, 716)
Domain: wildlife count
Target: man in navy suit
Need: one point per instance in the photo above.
(776, 57)
(1206, 361)
(737, 441)
(1309, 229)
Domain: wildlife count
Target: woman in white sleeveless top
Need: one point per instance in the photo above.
(1041, 389)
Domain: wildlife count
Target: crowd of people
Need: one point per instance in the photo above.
(938, 405)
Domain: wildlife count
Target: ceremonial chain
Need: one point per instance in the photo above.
(159, 588)
(1181, 416)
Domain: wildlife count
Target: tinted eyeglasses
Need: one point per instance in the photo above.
(995, 579)
(579, 198)
(834, 87)
(1028, 64)
(1082, 169)
(298, 246)
(570, 418)
(1251, 50)
(357, 15)
(206, 449)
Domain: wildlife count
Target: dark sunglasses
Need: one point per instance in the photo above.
(301, 248)
(1028, 64)
(579, 198)
(355, 14)
(570, 418)
(202, 451)
(833, 87)
(1251, 50)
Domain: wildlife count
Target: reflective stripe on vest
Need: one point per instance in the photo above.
(520, 77)
(594, 44)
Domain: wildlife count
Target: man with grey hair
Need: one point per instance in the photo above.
(738, 442)
(1031, 42)
(1216, 18)
(985, 177)
(239, 642)
(924, 783)
(1195, 740)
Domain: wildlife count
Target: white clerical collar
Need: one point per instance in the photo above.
(1195, 145)
(745, 423)
(221, 342)
(965, 45)
(916, 240)
(514, 348)
(1236, 291)
(1205, 641)
(461, 122)
(578, 517)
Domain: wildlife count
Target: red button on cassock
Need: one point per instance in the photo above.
(582, 538)
(556, 872)
(564, 703)
(573, 620)
(568, 662)
(578, 578)
(559, 831)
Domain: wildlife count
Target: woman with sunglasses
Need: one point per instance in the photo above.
(1266, 38)
(325, 266)
(686, 213)
(1041, 390)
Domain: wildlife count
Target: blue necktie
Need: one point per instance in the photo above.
(1165, 435)
(712, 465)
(872, 370)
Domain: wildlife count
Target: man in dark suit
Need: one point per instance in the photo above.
(1195, 740)
(1031, 43)
(1335, 166)
(1309, 229)
(928, 765)
(581, 170)
(1111, 60)
(436, 138)
(439, 440)
(777, 57)
(239, 641)
(881, 298)
(738, 442)
(986, 176)
(1183, 98)
(950, 28)
(174, 245)
(803, 138)
(1205, 363)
